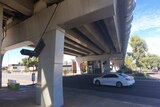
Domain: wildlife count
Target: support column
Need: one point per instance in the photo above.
(1, 36)
(78, 63)
(50, 87)
(117, 64)
(1, 59)
(105, 66)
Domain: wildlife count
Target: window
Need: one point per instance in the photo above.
(14, 67)
(110, 76)
(123, 75)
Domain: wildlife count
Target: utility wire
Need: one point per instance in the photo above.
(49, 22)
(41, 42)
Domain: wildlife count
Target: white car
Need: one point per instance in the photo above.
(114, 79)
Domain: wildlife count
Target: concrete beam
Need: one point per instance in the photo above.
(91, 37)
(86, 11)
(101, 57)
(73, 51)
(23, 6)
(81, 40)
(91, 28)
(73, 54)
(21, 44)
(72, 47)
(113, 30)
(73, 43)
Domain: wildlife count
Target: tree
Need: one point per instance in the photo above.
(25, 61)
(139, 50)
(30, 62)
(140, 56)
(129, 63)
(151, 61)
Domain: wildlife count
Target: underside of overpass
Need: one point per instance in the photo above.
(87, 29)
(105, 36)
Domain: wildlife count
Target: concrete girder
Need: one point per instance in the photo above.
(73, 51)
(75, 48)
(129, 18)
(90, 32)
(23, 6)
(100, 57)
(87, 10)
(131, 5)
(113, 29)
(73, 43)
(81, 40)
(21, 44)
(72, 47)
(91, 28)
(73, 54)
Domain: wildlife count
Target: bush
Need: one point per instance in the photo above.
(136, 73)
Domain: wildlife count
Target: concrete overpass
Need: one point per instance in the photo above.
(87, 29)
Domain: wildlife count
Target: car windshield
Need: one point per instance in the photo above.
(123, 75)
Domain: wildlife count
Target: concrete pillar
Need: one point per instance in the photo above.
(1, 36)
(78, 63)
(105, 65)
(1, 58)
(117, 64)
(102, 67)
(50, 88)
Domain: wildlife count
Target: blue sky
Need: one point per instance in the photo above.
(14, 56)
(146, 24)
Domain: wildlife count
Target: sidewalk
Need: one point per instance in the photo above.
(24, 97)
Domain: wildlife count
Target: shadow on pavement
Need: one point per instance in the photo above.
(22, 97)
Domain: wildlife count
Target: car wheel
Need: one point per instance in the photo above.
(97, 82)
(119, 84)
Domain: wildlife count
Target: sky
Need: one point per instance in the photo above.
(146, 24)
(14, 56)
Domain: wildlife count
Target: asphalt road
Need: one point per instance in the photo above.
(142, 87)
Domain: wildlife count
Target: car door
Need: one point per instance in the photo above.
(106, 79)
(113, 79)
